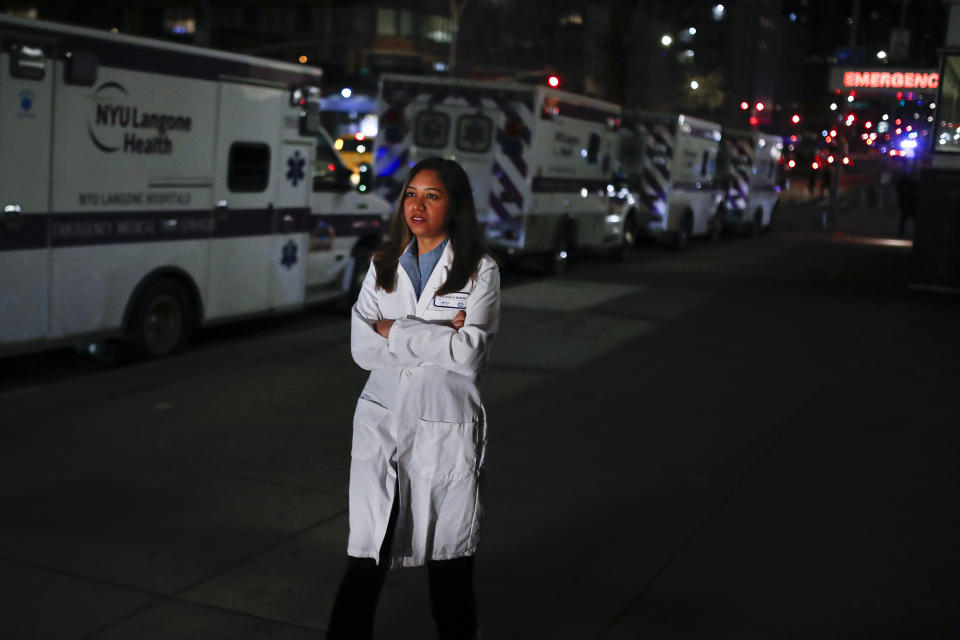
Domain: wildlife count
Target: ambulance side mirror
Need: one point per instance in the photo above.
(81, 68)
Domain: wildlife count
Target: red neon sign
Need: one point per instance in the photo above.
(896, 80)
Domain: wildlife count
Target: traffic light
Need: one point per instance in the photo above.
(744, 105)
(795, 119)
(760, 106)
(553, 80)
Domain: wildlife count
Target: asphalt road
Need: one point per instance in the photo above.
(749, 439)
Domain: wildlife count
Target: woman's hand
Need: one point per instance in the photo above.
(458, 320)
(383, 327)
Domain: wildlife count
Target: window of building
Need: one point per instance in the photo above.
(947, 137)
(572, 18)
(248, 169)
(22, 12)
(179, 21)
(431, 129)
(386, 22)
(437, 28)
(406, 23)
(363, 20)
(474, 133)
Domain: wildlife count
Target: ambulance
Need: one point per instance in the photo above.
(748, 175)
(148, 188)
(539, 159)
(670, 162)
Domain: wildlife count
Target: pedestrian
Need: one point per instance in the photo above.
(824, 180)
(812, 182)
(907, 198)
(424, 332)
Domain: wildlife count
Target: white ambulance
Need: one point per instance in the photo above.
(671, 163)
(539, 159)
(748, 171)
(147, 188)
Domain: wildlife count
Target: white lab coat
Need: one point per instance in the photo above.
(419, 421)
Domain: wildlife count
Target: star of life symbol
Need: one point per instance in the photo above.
(295, 168)
(289, 257)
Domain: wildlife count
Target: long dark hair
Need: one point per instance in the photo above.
(463, 229)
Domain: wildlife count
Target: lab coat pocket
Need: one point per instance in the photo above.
(367, 421)
(447, 451)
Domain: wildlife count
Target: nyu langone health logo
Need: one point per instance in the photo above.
(117, 125)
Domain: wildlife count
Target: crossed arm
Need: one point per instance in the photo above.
(460, 346)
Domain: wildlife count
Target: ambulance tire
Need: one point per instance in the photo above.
(716, 226)
(756, 225)
(628, 241)
(555, 261)
(773, 215)
(681, 237)
(162, 319)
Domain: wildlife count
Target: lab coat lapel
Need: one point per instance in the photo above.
(437, 278)
(405, 291)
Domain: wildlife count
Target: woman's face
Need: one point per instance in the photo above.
(425, 204)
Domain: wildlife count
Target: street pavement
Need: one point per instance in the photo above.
(751, 439)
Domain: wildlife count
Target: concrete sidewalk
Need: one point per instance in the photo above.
(754, 439)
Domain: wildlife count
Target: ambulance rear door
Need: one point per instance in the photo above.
(242, 253)
(27, 72)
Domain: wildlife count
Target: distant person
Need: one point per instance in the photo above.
(824, 180)
(908, 199)
(812, 182)
(423, 325)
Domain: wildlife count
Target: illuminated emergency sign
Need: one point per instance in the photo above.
(883, 80)
(895, 80)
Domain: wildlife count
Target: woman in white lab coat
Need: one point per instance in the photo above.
(423, 325)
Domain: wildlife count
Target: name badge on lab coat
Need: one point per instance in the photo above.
(451, 301)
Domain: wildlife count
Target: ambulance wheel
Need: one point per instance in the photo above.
(162, 319)
(555, 261)
(629, 240)
(716, 227)
(756, 225)
(681, 237)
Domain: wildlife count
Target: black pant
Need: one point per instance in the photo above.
(451, 594)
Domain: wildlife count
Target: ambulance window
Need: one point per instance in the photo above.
(431, 129)
(474, 133)
(703, 165)
(329, 172)
(593, 148)
(249, 167)
(28, 63)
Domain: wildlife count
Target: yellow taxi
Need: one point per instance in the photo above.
(357, 153)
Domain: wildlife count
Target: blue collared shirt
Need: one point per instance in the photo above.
(419, 268)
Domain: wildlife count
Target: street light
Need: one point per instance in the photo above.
(795, 119)
(759, 106)
(694, 85)
(744, 105)
(881, 55)
(666, 40)
(833, 106)
(346, 92)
